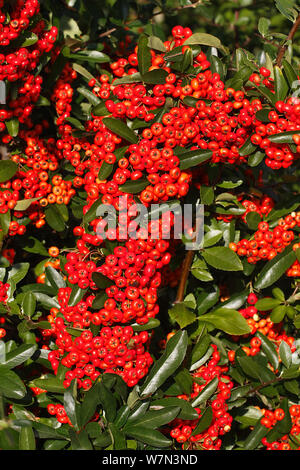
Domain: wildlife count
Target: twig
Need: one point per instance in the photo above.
(184, 276)
(290, 37)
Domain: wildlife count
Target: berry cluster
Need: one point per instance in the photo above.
(267, 242)
(270, 419)
(210, 438)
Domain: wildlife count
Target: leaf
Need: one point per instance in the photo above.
(151, 324)
(143, 54)
(76, 295)
(267, 304)
(206, 392)
(281, 87)
(54, 218)
(228, 320)
(108, 402)
(84, 72)
(156, 43)
(155, 77)
(105, 170)
(71, 406)
(255, 437)
(247, 148)
(93, 99)
(148, 436)
(8, 169)
(28, 39)
(118, 437)
(33, 245)
(274, 269)
(50, 383)
(56, 280)
(120, 129)
(256, 158)
(255, 370)
(134, 186)
(80, 441)
(186, 409)
(134, 78)
(182, 315)
(193, 158)
(12, 126)
(89, 404)
(207, 194)
(46, 300)
(204, 421)
(263, 114)
(155, 418)
(23, 204)
(27, 439)
(253, 219)
(166, 365)
(99, 300)
(269, 349)
(11, 385)
(285, 354)
(101, 281)
(290, 73)
(200, 348)
(19, 355)
(217, 66)
(205, 40)
(282, 137)
(94, 57)
(221, 257)
(263, 26)
(278, 313)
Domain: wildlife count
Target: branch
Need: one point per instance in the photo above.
(184, 276)
(290, 37)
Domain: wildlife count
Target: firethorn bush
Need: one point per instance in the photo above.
(121, 336)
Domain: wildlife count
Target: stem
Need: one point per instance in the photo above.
(184, 276)
(290, 37)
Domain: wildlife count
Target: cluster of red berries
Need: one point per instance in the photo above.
(3, 299)
(269, 420)
(262, 206)
(117, 349)
(267, 243)
(19, 65)
(210, 438)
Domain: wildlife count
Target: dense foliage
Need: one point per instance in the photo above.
(121, 337)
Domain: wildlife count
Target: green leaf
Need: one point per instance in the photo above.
(134, 186)
(11, 385)
(148, 436)
(80, 441)
(186, 409)
(256, 158)
(101, 281)
(105, 170)
(54, 218)
(205, 39)
(27, 438)
(217, 66)
(49, 383)
(93, 99)
(143, 54)
(118, 437)
(77, 295)
(12, 126)
(263, 26)
(263, 114)
(255, 437)
(28, 39)
(221, 257)
(155, 418)
(33, 245)
(200, 348)
(228, 320)
(84, 72)
(269, 349)
(155, 77)
(156, 43)
(23, 204)
(255, 370)
(56, 280)
(8, 169)
(281, 87)
(99, 300)
(285, 354)
(70, 405)
(290, 73)
(278, 313)
(207, 195)
(89, 404)
(120, 129)
(46, 300)
(182, 315)
(108, 402)
(247, 148)
(267, 304)
(19, 355)
(134, 78)
(193, 158)
(275, 268)
(166, 365)
(204, 421)
(151, 324)
(206, 392)
(94, 57)
(282, 137)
